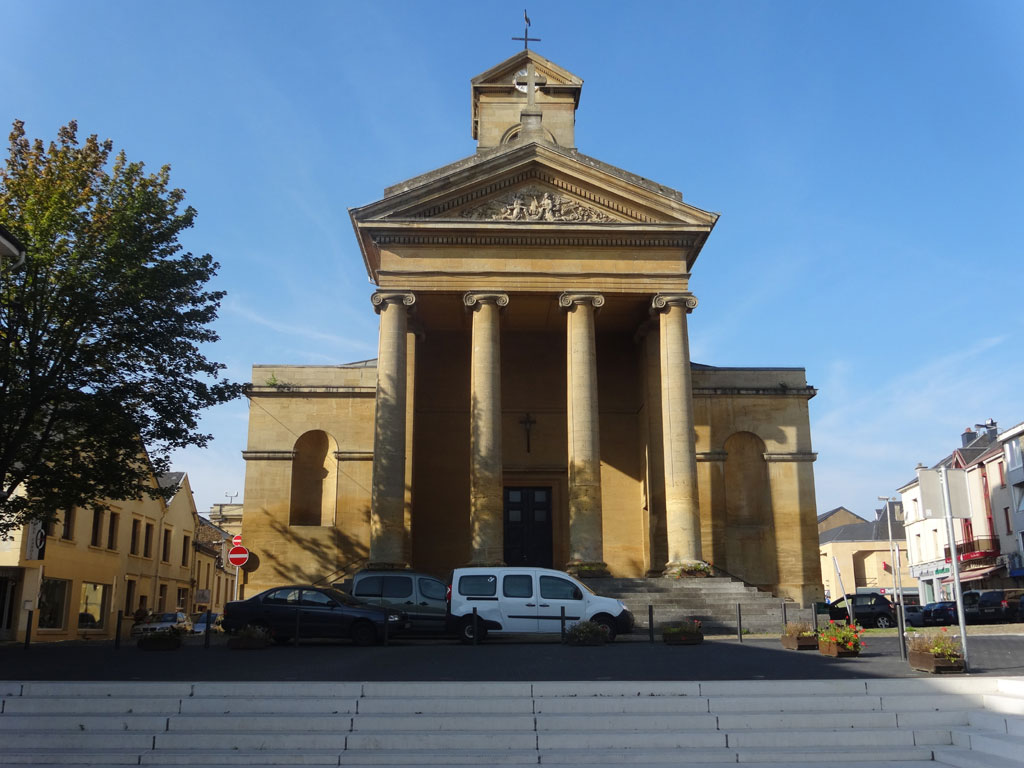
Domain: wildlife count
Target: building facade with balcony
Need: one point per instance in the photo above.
(985, 536)
(1012, 443)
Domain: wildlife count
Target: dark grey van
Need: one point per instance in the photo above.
(419, 595)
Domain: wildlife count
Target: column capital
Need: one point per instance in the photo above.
(392, 297)
(475, 298)
(663, 301)
(572, 299)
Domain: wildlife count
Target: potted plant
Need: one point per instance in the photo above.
(586, 633)
(687, 632)
(838, 639)
(935, 651)
(163, 640)
(251, 637)
(697, 570)
(798, 636)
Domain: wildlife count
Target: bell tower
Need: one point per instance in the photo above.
(505, 111)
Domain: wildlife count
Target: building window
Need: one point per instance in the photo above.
(53, 603)
(182, 600)
(115, 520)
(147, 542)
(134, 546)
(185, 547)
(161, 601)
(96, 539)
(92, 610)
(129, 597)
(165, 550)
(68, 529)
(1002, 476)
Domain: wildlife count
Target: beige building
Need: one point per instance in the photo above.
(861, 553)
(138, 554)
(533, 400)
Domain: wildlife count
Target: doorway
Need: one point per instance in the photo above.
(528, 526)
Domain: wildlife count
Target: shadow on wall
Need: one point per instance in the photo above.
(316, 555)
(750, 528)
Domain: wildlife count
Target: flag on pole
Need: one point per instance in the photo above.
(526, 17)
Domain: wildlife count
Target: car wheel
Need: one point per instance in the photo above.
(607, 623)
(466, 630)
(883, 621)
(363, 633)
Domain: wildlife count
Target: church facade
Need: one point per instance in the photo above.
(533, 401)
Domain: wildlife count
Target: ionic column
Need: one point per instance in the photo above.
(586, 547)
(486, 514)
(387, 499)
(682, 510)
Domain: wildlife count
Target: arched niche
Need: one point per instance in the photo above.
(314, 480)
(750, 528)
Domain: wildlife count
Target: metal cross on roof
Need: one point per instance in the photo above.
(526, 33)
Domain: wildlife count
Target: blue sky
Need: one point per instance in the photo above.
(867, 160)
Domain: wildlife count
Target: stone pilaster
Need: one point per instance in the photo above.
(387, 499)
(486, 514)
(586, 546)
(682, 509)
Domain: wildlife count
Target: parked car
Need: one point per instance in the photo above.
(419, 595)
(869, 610)
(314, 612)
(199, 623)
(971, 613)
(940, 613)
(1000, 605)
(162, 622)
(512, 600)
(913, 615)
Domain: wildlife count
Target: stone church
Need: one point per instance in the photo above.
(533, 401)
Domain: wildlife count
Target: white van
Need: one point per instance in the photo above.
(527, 600)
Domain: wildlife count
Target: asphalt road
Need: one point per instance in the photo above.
(495, 659)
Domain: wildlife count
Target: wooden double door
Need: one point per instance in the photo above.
(528, 540)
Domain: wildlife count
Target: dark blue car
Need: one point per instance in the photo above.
(942, 613)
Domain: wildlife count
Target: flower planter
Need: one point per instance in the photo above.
(928, 662)
(799, 643)
(678, 638)
(836, 649)
(159, 641)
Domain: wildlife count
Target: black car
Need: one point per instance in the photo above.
(940, 614)
(999, 605)
(869, 610)
(309, 611)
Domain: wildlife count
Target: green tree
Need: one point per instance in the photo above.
(101, 371)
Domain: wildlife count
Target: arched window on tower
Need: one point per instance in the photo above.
(314, 480)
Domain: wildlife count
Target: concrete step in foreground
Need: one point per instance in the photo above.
(971, 722)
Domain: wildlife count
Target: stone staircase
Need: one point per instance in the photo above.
(972, 722)
(712, 600)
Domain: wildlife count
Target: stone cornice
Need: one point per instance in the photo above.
(801, 392)
(268, 455)
(297, 389)
(800, 457)
(496, 233)
(353, 455)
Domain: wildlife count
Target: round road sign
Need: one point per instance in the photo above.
(236, 541)
(238, 556)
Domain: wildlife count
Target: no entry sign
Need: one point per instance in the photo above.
(238, 556)
(236, 541)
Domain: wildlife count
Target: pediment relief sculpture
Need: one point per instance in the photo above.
(536, 204)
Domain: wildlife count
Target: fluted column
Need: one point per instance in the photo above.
(387, 500)
(586, 547)
(682, 510)
(486, 514)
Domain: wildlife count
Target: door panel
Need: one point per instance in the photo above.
(519, 603)
(557, 593)
(528, 537)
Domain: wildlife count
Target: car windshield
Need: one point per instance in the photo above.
(165, 617)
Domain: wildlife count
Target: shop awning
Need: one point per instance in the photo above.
(978, 573)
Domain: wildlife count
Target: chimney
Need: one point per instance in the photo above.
(967, 437)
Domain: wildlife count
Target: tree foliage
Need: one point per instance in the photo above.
(101, 372)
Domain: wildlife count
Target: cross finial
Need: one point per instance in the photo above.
(531, 81)
(526, 33)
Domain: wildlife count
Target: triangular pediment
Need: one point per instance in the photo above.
(504, 73)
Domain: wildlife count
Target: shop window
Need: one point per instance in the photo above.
(92, 608)
(182, 604)
(53, 603)
(161, 602)
(129, 597)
